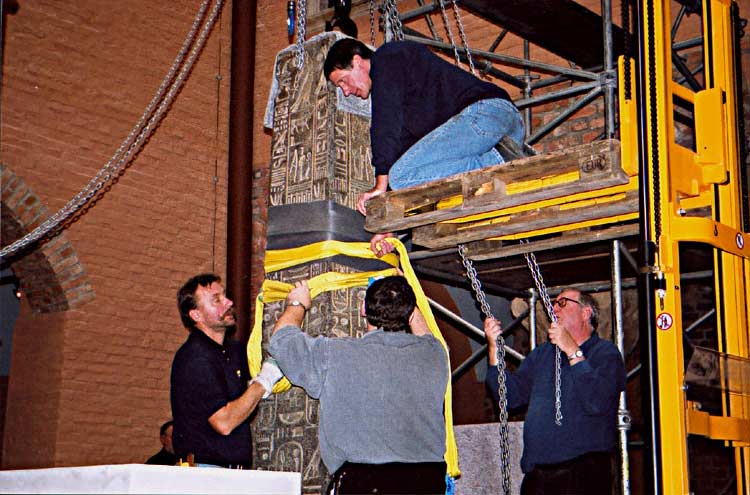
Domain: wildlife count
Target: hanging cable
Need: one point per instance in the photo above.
(155, 110)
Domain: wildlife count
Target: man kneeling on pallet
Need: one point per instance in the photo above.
(381, 396)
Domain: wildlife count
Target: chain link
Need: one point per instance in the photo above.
(301, 32)
(542, 289)
(462, 33)
(449, 31)
(372, 23)
(391, 11)
(137, 136)
(476, 285)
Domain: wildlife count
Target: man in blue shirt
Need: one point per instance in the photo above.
(430, 118)
(576, 456)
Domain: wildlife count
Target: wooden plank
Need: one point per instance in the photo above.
(491, 250)
(443, 235)
(527, 180)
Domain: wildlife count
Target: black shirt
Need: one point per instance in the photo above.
(205, 377)
(413, 92)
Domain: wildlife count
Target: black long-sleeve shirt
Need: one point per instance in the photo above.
(413, 92)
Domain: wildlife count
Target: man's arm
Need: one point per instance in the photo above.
(229, 417)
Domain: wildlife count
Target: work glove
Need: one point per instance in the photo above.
(268, 376)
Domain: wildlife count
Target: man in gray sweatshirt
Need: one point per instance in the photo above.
(381, 396)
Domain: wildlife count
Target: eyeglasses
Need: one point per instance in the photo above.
(563, 301)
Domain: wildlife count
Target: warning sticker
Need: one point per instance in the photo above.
(664, 321)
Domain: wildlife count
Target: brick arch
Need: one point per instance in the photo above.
(52, 277)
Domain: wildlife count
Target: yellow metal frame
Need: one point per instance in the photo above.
(709, 179)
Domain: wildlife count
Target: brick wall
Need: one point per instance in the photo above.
(89, 382)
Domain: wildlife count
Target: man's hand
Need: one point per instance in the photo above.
(559, 336)
(295, 314)
(380, 246)
(301, 293)
(365, 197)
(381, 186)
(492, 329)
(268, 376)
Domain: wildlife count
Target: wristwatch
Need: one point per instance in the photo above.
(297, 303)
(577, 354)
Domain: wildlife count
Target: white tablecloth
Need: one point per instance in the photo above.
(141, 478)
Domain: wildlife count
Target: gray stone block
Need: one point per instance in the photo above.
(479, 458)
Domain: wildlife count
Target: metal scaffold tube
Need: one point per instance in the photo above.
(623, 415)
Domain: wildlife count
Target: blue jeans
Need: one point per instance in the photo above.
(465, 142)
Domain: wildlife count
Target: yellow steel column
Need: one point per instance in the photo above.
(660, 132)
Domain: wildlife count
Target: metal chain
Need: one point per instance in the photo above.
(449, 31)
(394, 20)
(138, 135)
(372, 22)
(542, 289)
(476, 285)
(462, 33)
(301, 31)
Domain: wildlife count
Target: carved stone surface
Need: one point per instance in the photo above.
(285, 430)
(318, 153)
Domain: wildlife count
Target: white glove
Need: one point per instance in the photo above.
(268, 376)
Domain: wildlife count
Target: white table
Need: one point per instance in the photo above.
(141, 478)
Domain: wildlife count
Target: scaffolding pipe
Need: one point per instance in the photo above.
(583, 101)
(470, 361)
(623, 415)
(515, 61)
(474, 329)
(557, 95)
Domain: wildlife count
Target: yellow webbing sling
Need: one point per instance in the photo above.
(273, 291)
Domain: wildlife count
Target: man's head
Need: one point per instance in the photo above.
(203, 304)
(165, 435)
(389, 303)
(577, 311)
(347, 66)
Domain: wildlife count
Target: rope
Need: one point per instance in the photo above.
(273, 291)
(137, 137)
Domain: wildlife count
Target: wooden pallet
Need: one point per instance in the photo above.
(572, 186)
(582, 168)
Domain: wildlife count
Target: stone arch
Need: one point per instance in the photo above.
(52, 277)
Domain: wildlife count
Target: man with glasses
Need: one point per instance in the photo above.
(576, 456)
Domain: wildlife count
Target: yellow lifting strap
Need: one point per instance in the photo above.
(273, 291)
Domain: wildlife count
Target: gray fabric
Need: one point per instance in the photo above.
(381, 396)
